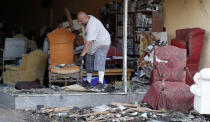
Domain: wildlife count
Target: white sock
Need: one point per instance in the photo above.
(89, 77)
(101, 76)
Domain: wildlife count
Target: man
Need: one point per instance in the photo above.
(97, 43)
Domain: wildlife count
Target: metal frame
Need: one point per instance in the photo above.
(62, 78)
(125, 32)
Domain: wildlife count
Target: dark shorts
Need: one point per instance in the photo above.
(97, 61)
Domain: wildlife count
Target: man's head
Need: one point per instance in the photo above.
(82, 18)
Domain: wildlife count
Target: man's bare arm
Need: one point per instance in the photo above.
(86, 47)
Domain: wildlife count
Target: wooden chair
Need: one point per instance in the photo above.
(61, 42)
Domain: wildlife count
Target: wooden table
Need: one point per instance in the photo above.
(114, 72)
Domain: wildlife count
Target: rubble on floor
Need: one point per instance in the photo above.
(138, 85)
(113, 112)
(134, 86)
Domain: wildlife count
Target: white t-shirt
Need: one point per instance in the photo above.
(97, 33)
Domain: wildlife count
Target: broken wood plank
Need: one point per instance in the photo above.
(128, 110)
(90, 114)
(137, 107)
(64, 109)
(49, 109)
(144, 109)
(54, 109)
(109, 115)
(127, 118)
(125, 104)
(68, 14)
(124, 119)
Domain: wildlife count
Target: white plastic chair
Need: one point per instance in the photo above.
(13, 49)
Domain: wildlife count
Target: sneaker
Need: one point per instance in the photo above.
(109, 88)
(99, 86)
(87, 85)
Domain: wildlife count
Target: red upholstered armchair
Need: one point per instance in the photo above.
(192, 40)
(169, 90)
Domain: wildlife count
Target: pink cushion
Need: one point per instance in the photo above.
(113, 51)
(173, 70)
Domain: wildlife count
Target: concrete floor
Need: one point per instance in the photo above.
(30, 101)
(10, 103)
(9, 115)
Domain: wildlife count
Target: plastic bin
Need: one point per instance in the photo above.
(94, 81)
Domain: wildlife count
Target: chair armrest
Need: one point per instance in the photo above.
(188, 73)
(178, 43)
(197, 32)
(11, 67)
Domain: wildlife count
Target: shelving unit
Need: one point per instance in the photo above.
(139, 21)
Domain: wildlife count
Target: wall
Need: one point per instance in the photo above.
(27, 13)
(189, 13)
(90, 6)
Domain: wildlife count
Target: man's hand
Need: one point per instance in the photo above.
(80, 60)
(76, 32)
(86, 47)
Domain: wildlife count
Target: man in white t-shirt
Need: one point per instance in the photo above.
(97, 43)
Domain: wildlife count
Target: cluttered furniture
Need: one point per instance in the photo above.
(61, 60)
(192, 40)
(168, 89)
(32, 68)
(138, 22)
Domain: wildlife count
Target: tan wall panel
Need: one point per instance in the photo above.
(189, 13)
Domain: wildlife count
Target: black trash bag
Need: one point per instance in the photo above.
(28, 85)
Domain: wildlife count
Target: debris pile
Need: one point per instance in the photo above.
(113, 112)
(148, 5)
(134, 86)
(145, 64)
